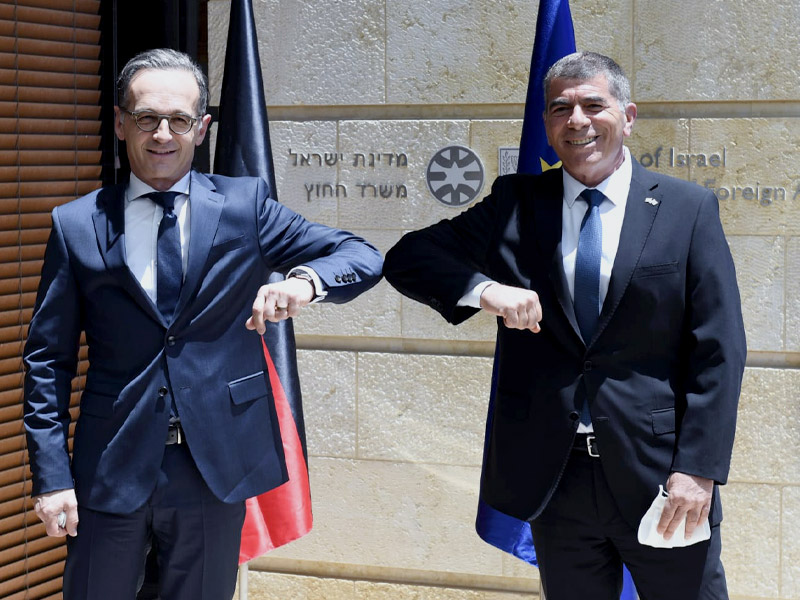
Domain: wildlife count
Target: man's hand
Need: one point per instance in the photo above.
(279, 301)
(688, 495)
(51, 505)
(519, 307)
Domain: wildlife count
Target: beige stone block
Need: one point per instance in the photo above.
(758, 181)
(514, 567)
(751, 534)
(421, 321)
(790, 543)
(328, 382)
(487, 136)
(605, 26)
(218, 19)
(300, 150)
(278, 586)
(379, 171)
(417, 408)
(376, 313)
(311, 53)
(760, 271)
(450, 52)
(652, 139)
(793, 294)
(769, 418)
(403, 515)
(735, 50)
(366, 590)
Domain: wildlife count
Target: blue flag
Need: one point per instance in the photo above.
(555, 38)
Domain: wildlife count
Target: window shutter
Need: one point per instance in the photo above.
(49, 154)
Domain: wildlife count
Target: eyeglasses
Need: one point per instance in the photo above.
(179, 123)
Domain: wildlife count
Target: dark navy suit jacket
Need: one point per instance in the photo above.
(206, 359)
(663, 371)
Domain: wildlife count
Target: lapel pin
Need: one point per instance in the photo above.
(651, 201)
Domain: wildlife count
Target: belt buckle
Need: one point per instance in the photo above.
(174, 435)
(591, 446)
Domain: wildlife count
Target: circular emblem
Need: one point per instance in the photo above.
(455, 176)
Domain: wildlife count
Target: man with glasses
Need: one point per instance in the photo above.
(166, 275)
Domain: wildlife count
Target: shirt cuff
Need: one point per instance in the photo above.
(319, 289)
(473, 297)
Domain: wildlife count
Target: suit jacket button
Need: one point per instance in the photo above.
(171, 340)
(163, 391)
(574, 416)
(338, 279)
(587, 366)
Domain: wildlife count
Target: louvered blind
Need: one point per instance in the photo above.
(49, 154)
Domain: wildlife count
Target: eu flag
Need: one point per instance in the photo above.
(243, 149)
(554, 39)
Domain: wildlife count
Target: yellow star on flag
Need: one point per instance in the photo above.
(547, 167)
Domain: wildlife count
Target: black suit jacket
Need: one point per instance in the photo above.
(663, 371)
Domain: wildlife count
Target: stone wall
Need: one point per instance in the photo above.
(362, 93)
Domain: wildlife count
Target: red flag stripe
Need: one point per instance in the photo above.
(281, 515)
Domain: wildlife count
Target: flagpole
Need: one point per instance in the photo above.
(243, 572)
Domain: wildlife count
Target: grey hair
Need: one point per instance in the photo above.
(166, 59)
(587, 65)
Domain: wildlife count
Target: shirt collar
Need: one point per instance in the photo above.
(138, 188)
(615, 187)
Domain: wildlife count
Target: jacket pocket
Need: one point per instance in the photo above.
(247, 389)
(228, 245)
(653, 270)
(663, 421)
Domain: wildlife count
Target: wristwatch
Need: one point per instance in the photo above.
(303, 275)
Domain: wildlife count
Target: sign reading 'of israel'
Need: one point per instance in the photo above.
(455, 176)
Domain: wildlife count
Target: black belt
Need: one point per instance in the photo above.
(587, 443)
(175, 434)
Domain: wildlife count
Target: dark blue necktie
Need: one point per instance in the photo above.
(169, 264)
(587, 274)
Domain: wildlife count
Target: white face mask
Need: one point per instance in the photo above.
(648, 535)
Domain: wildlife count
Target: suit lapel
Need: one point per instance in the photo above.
(109, 228)
(206, 207)
(640, 213)
(548, 216)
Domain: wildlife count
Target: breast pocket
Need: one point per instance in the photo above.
(225, 246)
(655, 270)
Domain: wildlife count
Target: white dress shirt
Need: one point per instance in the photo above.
(612, 213)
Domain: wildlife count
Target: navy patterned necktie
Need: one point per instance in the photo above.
(169, 264)
(587, 274)
(587, 266)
